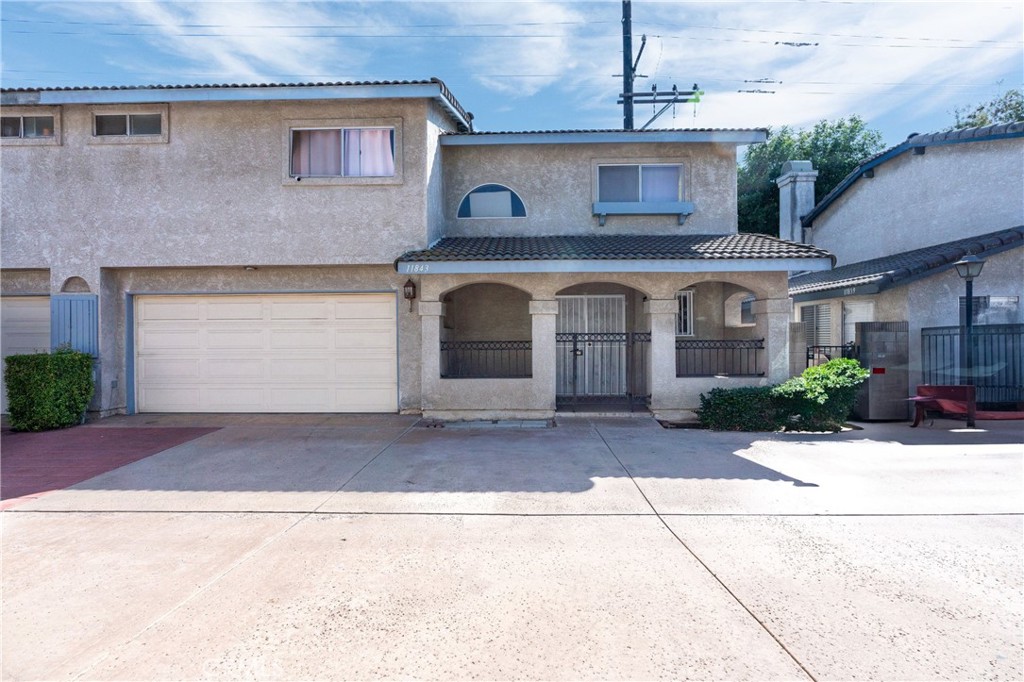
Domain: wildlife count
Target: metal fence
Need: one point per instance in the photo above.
(486, 359)
(714, 357)
(998, 360)
(818, 355)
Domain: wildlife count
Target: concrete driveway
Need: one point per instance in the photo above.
(376, 547)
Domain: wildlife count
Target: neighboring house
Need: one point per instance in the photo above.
(896, 225)
(356, 247)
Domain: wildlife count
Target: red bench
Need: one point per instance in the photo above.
(957, 401)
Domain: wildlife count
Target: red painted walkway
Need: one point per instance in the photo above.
(34, 464)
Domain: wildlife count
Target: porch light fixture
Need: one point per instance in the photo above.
(409, 291)
(968, 268)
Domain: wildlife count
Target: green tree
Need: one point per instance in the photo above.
(1006, 108)
(834, 147)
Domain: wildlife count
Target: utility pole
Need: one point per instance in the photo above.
(628, 98)
(628, 71)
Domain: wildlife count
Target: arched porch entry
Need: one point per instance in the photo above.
(602, 346)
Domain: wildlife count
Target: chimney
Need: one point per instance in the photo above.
(796, 198)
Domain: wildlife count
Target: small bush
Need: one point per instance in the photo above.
(822, 397)
(48, 391)
(740, 409)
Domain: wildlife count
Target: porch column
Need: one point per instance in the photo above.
(430, 351)
(771, 316)
(662, 313)
(544, 315)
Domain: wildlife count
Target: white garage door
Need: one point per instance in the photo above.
(266, 353)
(24, 328)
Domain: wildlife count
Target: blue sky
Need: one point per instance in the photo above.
(903, 66)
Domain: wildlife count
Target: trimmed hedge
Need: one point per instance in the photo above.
(740, 409)
(818, 400)
(48, 390)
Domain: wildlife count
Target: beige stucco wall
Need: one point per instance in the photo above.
(24, 282)
(557, 186)
(216, 193)
(947, 193)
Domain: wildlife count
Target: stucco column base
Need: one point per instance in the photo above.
(662, 316)
(772, 316)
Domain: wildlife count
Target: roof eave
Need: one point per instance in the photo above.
(444, 267)
(245, 93)
(737, 137)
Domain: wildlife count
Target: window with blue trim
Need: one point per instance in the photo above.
(492, 201)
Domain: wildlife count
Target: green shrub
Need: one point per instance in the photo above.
(822, 397)
(48, 391)
(740, 409)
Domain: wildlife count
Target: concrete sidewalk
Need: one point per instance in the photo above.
(279, 548)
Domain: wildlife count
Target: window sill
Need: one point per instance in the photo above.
(603, 209)
(342, 181)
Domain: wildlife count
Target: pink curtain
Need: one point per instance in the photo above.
(316, 152)
(369, 153)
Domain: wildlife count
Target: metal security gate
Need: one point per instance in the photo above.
(597, 360)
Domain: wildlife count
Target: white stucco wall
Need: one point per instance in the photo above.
(948, 193)
(557, 185)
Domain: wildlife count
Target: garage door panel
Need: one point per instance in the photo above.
(169, 368)
(294, 310)
(169, 310)
(268, 353)
(24, 329)
(378, 368)
(235, 339)
(170, 398)
(234, 310)
(364, 309)
(308, 369)
(168, 339)
(232, 398)
(233, 368)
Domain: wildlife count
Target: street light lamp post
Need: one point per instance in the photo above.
(968, 268)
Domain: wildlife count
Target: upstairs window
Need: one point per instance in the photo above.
(492, 201)
(342, 152)
(640, 183)
(26, 127)
(127, 125)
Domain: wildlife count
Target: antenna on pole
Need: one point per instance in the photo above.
(628, 98)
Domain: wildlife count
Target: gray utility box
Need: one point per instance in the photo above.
(885, 352)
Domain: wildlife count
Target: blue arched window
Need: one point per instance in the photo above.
(492, 201)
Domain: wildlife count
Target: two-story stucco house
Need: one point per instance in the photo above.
(357, 247)
(897, 224)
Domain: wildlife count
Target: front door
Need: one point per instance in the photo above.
(591, 347)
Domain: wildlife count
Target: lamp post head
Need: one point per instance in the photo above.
(969, 266)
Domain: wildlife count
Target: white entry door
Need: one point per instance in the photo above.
(599, 366)
(266, 353)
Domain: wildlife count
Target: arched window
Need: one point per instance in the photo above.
(492, 201)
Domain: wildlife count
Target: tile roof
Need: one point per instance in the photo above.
(612, 130)
(901, 268)
(445, 92)
(984, 133)
(614, 247)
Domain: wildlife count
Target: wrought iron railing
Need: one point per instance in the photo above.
(718, 357)
(998, 360)
(486, 359)
(817, 355)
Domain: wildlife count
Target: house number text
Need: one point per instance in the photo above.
(419, 267)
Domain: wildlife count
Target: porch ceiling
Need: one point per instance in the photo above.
(614, 253)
